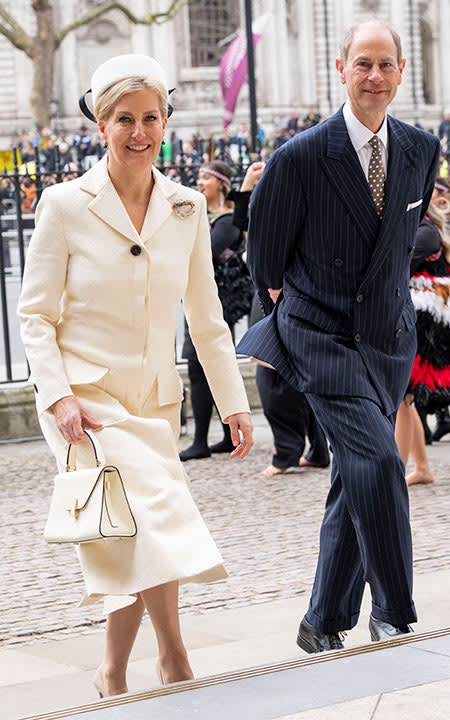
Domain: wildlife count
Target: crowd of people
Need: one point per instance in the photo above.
(63, 156)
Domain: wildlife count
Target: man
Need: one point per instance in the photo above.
(333, 222)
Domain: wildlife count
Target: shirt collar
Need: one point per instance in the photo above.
(360, 134)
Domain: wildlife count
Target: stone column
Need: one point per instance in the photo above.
(282, 57)
(140, 34)
(304, 73)
(444, 25)
(67, 84)
(399, 18)
(163, 46)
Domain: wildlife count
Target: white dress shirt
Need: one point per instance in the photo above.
(360, 136)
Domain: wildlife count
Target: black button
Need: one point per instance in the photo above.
(398, 333)
(135, 250)
(359, 298)
(397, 292)
(338, 262)
(357, 338)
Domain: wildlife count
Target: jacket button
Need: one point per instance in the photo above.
(357, 338)
(135, 250)
(359, 298)
(398, 333)
(397, 292)
(338, 262)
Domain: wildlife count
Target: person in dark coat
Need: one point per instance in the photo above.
(214, 183)
(333, 222)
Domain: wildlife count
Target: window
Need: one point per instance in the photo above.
(210, 21)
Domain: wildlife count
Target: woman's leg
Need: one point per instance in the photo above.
(121, 630)
(422, 471)
(202, 405)
(162, 606)
(404, 426)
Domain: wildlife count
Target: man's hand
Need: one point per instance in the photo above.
(241, 429)
(72, 419)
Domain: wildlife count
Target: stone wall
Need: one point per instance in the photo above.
(294, 69)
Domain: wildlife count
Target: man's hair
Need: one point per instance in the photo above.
(349, 35)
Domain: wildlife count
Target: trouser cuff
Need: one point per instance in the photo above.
(401, 616)
(332, 625)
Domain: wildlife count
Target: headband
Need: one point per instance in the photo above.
(443, 188)
(216, 174)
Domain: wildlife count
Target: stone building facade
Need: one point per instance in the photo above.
(294, 59)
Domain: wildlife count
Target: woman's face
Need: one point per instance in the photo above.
(211, 187)
(441, 200)
(134, 131)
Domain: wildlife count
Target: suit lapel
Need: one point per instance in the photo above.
(160, 205)
(107, 205)
(400, 166)
(344, 171)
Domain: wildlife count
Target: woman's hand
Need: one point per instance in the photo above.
(72, 419)
(243, 440)
(254, 172)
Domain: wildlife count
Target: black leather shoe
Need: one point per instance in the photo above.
(380, 630)
(312, 640)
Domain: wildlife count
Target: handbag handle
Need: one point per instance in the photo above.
(98, 453)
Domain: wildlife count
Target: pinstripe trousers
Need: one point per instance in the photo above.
(365, 534)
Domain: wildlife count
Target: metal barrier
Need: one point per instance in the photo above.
(20, 189)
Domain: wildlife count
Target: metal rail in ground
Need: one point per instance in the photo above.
(245, 674)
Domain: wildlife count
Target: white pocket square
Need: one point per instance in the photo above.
(413, 205)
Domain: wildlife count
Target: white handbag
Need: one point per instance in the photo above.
(90, 504)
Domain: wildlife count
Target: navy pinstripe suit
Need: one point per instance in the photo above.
(343, 332)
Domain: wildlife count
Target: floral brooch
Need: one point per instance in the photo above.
(183, 208)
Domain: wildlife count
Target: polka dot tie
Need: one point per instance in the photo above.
(376, 176)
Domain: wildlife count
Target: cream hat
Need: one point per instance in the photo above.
(121, 67)
(125, 66)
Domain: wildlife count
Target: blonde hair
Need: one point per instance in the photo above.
(438, 218)
(349, 35)
(111, 95)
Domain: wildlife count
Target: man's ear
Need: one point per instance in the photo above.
(340, 68)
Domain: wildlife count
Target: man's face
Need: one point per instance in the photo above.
(372, 72)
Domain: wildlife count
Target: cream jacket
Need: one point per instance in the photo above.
(98, 297)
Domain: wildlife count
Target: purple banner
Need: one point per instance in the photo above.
(233, 68)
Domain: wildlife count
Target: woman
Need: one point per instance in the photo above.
(429, 386)
(214, 183)
(112, 255)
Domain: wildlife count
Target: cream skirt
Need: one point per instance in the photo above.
(172, 541)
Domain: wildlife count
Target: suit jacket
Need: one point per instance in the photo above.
(345, 323)
(99, 297)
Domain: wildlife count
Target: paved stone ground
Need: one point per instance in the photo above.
(266, 528)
